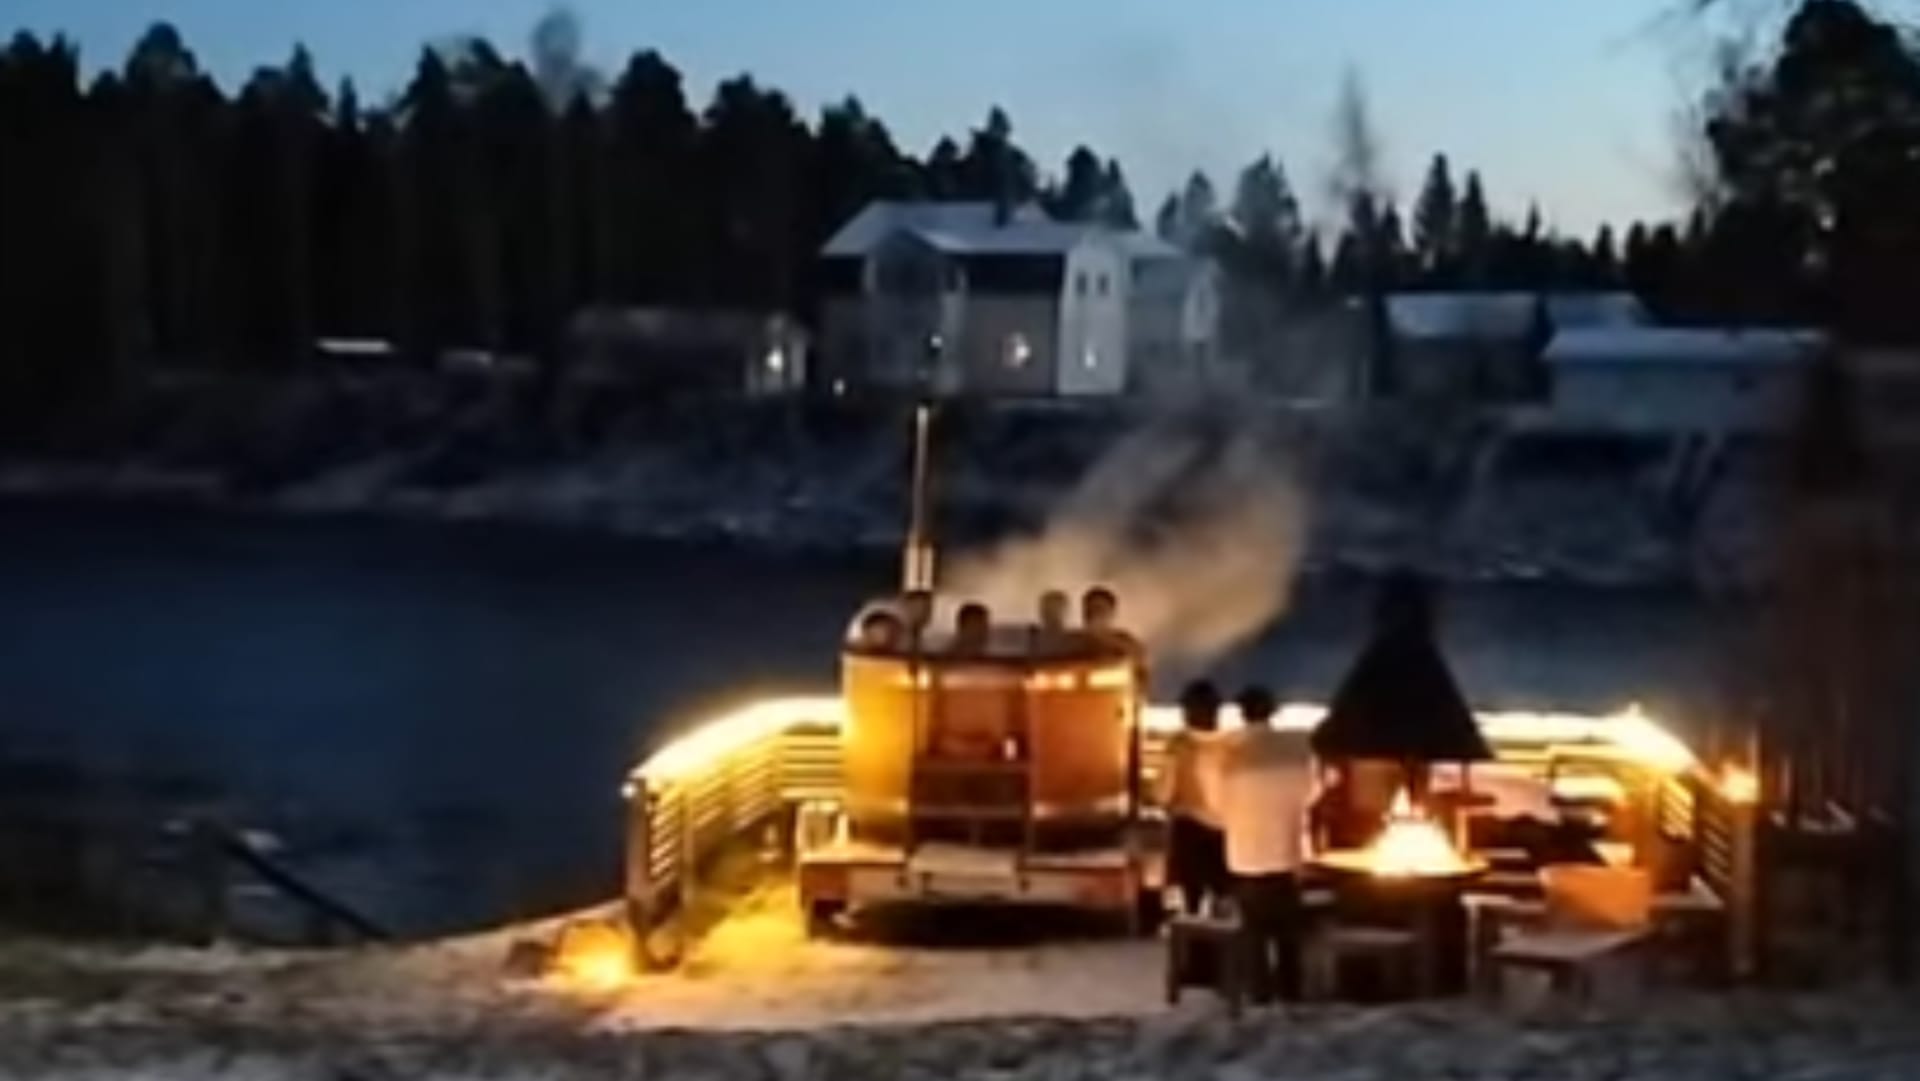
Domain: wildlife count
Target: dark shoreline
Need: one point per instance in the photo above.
(710, 536)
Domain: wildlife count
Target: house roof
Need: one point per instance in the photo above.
(880, 219)
(1508, 315)
(1145, 246)
(1014, 238)
(1682, 345)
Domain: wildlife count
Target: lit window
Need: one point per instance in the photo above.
(1018, 351)
(776, 360)
(1090, 358)
(839, 388)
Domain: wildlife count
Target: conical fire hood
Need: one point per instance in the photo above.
(1400, 701)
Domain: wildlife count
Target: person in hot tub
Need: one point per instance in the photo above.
(972, 630)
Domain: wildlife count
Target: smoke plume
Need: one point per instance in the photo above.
(1196, 524)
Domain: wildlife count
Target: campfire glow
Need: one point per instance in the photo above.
(1740, 785)
(594, 956)
(1413, 846)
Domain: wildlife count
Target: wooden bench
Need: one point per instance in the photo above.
(1570, 957)
(1207, 951)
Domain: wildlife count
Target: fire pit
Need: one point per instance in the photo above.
(1410, 876)
(1410, 848)
(1396, 714)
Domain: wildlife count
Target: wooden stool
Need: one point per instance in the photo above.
(1490, 916)
(1394, 951)
(1207, 951)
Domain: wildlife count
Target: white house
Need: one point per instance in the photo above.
(975, 298)
(1173, 317)
(1677, 380)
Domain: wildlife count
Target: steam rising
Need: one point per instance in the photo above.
(1197, 526)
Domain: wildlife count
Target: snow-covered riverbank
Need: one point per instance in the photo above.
(1578, 532)
(444, 1012)
(757, 999)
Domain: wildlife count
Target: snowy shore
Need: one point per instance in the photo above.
(1569, 534)
(756, 999)
(442, 1013)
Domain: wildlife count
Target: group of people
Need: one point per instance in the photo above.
(904, 625)
(1239, 805)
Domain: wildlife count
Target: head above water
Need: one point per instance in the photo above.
(1099, 609)
(1257, 705)
(973, 623)
(1055, 609)
(1200, 706)
(881, 630)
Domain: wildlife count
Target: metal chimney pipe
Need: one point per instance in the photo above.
(917, 560)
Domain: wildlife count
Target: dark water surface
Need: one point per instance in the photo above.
(437, 718)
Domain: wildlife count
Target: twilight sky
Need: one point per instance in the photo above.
(1570, 102)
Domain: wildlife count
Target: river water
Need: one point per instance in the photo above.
(437, 718)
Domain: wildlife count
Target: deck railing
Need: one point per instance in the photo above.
(742, 775)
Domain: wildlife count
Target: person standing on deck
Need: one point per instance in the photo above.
(1266, 789)
(1188, 788)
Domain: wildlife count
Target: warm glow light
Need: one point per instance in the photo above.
(776, 360)
(704, 745)
(594, 956)
(1635, 732)
(1739, 785)
(1413, 846)
(1018, 351)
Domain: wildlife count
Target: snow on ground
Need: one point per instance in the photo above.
(758, 970)
(757, 1001)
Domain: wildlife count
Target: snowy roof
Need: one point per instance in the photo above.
(1682, 345)
(1013, 238)
(1596, 310)
(954, 221)
(1146, 246)
(1506, 315)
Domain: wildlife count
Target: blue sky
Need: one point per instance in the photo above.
(1568, 102)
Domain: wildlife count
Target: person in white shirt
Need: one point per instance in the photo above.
(1266, 792)
(1188, 787)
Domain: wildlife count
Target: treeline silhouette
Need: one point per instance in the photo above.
(153, 220)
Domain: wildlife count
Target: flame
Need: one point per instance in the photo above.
(1413, 845)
